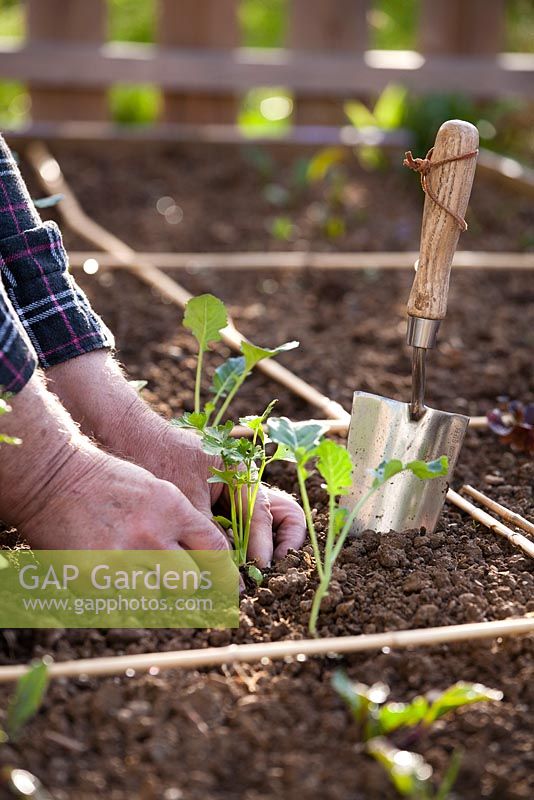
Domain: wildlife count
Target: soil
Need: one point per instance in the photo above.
(278, 729)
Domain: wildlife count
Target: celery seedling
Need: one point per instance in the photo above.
(302, 444)
(244, 463)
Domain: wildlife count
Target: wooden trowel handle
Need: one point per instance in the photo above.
(451, 184)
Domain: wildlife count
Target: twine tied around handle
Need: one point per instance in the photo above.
(424, 166)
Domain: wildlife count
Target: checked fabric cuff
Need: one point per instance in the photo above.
(17, 358)
(54, 311)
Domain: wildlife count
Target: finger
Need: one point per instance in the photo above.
(289, 522)
(260, 545)
(197, 532)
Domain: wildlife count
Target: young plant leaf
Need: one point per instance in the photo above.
(299, 437)
(385, 471)
(48, 202)
(205, 316)
(254, 354)
(409, 772)
(390, 107)
(426, 470)
(224, 522)
(362, 700)
(323, 161)
(254, 573)
(9, 439)
(27, 699)
(227, 375)
(191, 420)
(458, 695)
(335, 466)
(397, 715)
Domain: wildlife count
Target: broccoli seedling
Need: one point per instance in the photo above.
(513, 422)
(206, 316)
(304, 445)
(377, 718)
(4, 439)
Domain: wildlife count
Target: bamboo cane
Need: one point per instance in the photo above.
(249, 653)
(53, 181)
(305, 260)
(490, 522)
(509, 516)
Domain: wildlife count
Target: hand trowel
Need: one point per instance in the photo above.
(382, 429)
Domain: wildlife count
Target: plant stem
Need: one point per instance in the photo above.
(348, 523)
(230, 396)
(197, 380)
(320, 592)
(309, 520)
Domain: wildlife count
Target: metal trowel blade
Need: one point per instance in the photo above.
(382, 429)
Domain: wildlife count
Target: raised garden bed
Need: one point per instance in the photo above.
(279, 729)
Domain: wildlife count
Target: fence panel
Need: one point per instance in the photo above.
(326, 25)
(69, 21)
(475, 27)
(210, 24)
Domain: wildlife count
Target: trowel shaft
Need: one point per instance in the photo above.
(421, 336)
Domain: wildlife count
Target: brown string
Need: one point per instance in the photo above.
(424, 166)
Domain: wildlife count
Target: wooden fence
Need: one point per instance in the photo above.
(202, 69)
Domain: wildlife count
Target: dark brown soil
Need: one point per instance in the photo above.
(277, 729)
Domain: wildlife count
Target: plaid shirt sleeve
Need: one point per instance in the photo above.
(53, 310)
(17, 356)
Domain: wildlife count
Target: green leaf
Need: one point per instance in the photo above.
(4, 407)
(458, 695)
(9, 439)
(205, 316)
(27, 699)
(283, 453)
(362, 700)
(359, 115)
(227, 375)
(4, 563)
(226, 476)
(335, 465)
(254, 354)
(451, 774)
(409, 772)
(397, 715)
(323, 161)
(426, 470)
(48, 202)
(386, 470)
(224, 522)
(390, 107)
(300, 437)
(254, 573)
(191, 420)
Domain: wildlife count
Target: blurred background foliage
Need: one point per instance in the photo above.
(507, 126)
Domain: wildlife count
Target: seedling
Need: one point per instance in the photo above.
(304, 445)
(513, 422)
(4, 439)
(243, 460)
(26, 701)
(377, 718)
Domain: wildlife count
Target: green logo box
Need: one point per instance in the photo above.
(118, 589)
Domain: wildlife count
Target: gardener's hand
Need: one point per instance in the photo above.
(97, 395)
(62, 492)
